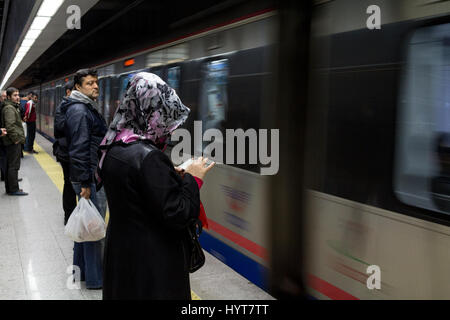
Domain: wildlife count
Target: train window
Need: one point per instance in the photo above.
(422, 168)
(60, 96)
(158, 72)
(213, 95)
(177, 53)
(173, 78)
(101, 96)
(107, 97)
(106, 71)
(169, 55)
(124, 80)
(52, 101)
(155, 58)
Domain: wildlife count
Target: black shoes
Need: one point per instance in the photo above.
(18, 193)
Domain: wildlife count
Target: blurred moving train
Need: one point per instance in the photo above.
(222, 74)
(377, 142)
(378, 126)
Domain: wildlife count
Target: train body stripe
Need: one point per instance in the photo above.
(328, 289)
(238, 239)
(236, 260)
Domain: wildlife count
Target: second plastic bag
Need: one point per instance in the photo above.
(85, 223)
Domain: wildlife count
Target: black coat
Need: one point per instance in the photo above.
(146, 254)
(60, 146)
(84, 130)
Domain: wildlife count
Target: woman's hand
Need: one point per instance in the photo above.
(180, 172)
(198, 168)
(86, 193)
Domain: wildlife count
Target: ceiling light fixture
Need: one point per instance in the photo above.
(46, 11)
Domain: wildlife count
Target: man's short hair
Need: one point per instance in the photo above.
(31, 92)
(83, 73)
(10, 91)
(68, 86)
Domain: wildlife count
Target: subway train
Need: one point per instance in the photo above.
(377, 211)
(223, 75)
(375, 207)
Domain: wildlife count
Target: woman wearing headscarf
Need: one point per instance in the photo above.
(151, 202)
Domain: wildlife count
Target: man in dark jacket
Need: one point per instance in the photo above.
(15, 137)
(61, 152)
(2, 147)
(84, 129)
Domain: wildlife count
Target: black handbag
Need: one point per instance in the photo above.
(196, 255)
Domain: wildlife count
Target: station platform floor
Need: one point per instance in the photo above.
(36, 256)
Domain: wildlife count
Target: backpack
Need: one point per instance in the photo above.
(23, 108)
(60, 146)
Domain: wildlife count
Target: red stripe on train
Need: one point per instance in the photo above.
(238, 239)
(328, 289)
(314, 282)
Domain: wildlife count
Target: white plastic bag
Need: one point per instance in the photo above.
(85, 223)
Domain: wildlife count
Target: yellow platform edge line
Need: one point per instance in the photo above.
(54, 172)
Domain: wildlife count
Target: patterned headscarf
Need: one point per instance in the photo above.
(150, 110)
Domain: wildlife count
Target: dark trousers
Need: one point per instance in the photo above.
(3, 161)
(69, 195)
(31, 135)
(88, 256)
(12, 168)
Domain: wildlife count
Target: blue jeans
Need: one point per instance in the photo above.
(88, 256)
(31, 136)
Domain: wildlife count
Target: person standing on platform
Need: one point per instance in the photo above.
(14, 138)
(30, 120)
(2, 147)
(84, 130)
(60, 151)
(151, 202)
(23, 102)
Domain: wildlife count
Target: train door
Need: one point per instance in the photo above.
(213, 97)
(189, 91)
(117, 87)
(46, 105)
(174, 77)
(52, 110)
(114, 97)
(173, 80)
(288, 114)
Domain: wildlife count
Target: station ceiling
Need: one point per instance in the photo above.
(2, 10)
(115, 28)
